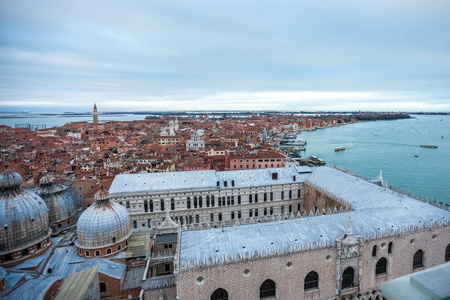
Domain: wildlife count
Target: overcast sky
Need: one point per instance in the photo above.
(207, 55)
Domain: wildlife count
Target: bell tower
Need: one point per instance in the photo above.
(95, 115)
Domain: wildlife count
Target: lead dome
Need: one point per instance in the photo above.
(24, 229)
(104, 228)
(59, 200)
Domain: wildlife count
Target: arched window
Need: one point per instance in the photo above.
(348, 278)
(390, 247)
(219, 294)
(267, 289)
(311, 281)
(119, 247)
(418, 259)
(374, 251)
(108, 251)
(102, 287)
(97, 253)
(381, 267)
(87, 253)
(8, 257)
(447, 253)
(188, 202)
(114, 239)
(25, 252)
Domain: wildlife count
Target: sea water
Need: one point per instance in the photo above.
(391, 146)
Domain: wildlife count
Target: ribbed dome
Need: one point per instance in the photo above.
(10, 179)
(23, 214)
(103, 223)
(58, 198)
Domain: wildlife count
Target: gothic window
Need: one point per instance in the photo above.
(200, 202)
(102, 287)
(172, 204)
(188, 202)
(145, 206)
(348, 278)
(267, 289)
(219, 294)
(162, 205)
(239, 199)
(298, 194)
(390, 247)
(381, 267)
(114, 239)
(265, 197)
(271, 196)
(228, 200)
(151, 205)
(212, 201)
(250, 199)
(447, 253)
(232, 200)
(256, 198)
(195, 202)
(282, 195)
(374, 251)
(207, 201)
(108, 251)
(290, 194)
(119, 247)
(311, 281)
(418, 259)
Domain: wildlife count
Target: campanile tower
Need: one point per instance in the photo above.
(95, 115)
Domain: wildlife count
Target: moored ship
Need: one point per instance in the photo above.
(428, 146)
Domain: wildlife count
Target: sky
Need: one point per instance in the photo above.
(224, 55)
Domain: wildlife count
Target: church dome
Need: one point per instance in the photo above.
(59, 200)
(23, 218)
(103, 224)
(10, 180)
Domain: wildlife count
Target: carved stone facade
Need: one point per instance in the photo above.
(223, 205)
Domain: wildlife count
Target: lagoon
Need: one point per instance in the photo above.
(391, 146)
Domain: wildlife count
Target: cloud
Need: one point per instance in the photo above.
(200, 52)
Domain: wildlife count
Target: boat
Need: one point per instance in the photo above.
(339, 148)
(428, 146)
(416, 155)
(316, 161)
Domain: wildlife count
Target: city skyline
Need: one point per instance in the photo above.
(202, 55)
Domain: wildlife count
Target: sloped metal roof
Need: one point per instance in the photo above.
(151, 182)
(376, 209)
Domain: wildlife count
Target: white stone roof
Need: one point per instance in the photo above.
(377, 210)
(150, 182)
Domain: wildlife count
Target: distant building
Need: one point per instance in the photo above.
(195, 143)
(95, 115)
